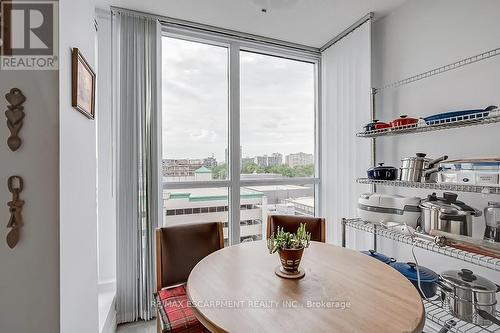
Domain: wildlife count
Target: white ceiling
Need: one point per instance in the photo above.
(308, 22)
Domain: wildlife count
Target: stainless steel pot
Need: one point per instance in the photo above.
(413, 168)
(447, 214)
(470, 297)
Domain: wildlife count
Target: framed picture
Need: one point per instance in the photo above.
(82, 85)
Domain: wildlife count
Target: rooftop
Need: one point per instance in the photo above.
(209, 194)
(203, 170)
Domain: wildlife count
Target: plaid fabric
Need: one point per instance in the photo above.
(175, 313)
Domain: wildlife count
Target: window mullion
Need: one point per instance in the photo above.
(234, 143)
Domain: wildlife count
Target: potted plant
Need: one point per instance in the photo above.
(290, 247)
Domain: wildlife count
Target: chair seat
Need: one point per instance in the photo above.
(175, 314)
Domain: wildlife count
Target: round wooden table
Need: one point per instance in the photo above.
(235, 290)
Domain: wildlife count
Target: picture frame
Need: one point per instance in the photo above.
(83, 81)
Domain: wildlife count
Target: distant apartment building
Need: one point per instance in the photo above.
(299, 159)
(275, 159)
(210, 162)
(260, 161)
(268, 161)
(186, 167)
(211, 205)
(257, 202)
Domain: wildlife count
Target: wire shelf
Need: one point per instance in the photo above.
(480, 118)
(438, 313)
(379, 230)
(443, 69)
(483, 189)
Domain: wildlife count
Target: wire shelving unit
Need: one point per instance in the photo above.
(483, 189)
(437, 312)
(475, 119)
(379, 230)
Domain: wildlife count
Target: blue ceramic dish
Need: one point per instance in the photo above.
(450, 116)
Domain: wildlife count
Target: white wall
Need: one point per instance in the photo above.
(418, 36)
(29, 273)
(78, 180)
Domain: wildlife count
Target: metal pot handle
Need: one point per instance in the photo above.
(451, 217)
(447, 326)
(437, 160)
(440, 282)
(488, 316)
(444, 287)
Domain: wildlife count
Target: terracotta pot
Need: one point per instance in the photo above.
(290, 259)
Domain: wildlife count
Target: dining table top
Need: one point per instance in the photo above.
(235, 289)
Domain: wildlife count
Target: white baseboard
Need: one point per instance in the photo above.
(107, 306)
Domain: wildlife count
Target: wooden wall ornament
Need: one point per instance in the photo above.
(15, 184)
(15, 115)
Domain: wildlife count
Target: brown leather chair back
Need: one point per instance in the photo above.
(290, 223)
(180, 247)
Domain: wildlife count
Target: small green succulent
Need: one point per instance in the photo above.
(287, 240)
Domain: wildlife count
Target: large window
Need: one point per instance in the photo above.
(277, 115)
(195, 110)
(239, 134)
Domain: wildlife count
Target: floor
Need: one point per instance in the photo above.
(138, 327)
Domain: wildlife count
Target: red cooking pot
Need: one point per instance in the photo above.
(403, 121)
(382, 125)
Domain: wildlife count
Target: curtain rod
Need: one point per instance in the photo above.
(170, 21)
(347, 31)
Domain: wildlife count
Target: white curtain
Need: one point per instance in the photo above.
(346, 83)
(137, 115)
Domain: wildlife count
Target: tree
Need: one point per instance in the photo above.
(282, 169)
(303, 170)
(251, 167)
(219, 172)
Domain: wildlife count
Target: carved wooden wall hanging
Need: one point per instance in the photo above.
(15, 184)
(15, 116)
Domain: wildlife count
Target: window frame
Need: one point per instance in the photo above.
(233, 182)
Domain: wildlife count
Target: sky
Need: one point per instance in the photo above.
(276, 102)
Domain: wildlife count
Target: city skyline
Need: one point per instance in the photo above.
(200, 158)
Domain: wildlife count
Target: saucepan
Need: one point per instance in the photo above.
(470, 297)
(416, 168)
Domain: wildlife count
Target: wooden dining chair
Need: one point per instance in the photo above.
(290, 223)
(178, 249)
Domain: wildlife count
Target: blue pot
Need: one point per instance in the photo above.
(379, 256)
(429, 280)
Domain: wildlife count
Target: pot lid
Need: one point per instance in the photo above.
(379, 256)
(409, 270)
(466, 279)
(448, 204)
(381, 167)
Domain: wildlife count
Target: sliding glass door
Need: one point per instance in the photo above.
(240, 135)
